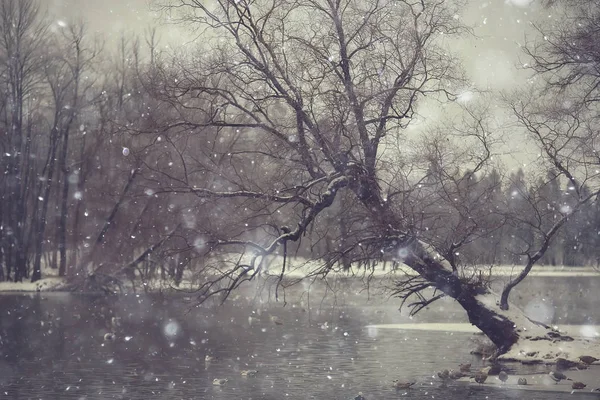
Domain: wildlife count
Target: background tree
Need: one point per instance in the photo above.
(21, 45)
(560, 119)
(63, 164)
(277, 71)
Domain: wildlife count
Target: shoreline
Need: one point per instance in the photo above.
(303, 270)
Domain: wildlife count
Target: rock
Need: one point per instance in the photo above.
(522, 381)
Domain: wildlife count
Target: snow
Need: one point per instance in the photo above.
(468, 328)
(298, 268)
(465, 97)
(526, 350)
(546, 352)
(430, 327)
(519, 3)
(43, 285)
(534, 345)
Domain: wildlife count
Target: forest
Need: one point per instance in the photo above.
(136, 160)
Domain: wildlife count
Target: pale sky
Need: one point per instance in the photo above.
(500, 24)
(491, 59)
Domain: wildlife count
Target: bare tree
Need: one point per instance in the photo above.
(67, 58)
(566, 137)
(22, 35)
(79, 58)
(561, 117)
(317, 93)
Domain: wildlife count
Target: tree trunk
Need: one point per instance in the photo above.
(75, 231)
(500, 329)
(98, 242)
(45, 196)
(503, 327)
(179, 268)
(1, 242)
(62, 224)
(17, 192)
(346, 264)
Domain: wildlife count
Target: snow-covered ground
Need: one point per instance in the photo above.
(586, 331)
(586, 342)
(50, 282)
(43, 285)
(296, 268)
(300, 267)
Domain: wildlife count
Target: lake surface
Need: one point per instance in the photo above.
(52, 345)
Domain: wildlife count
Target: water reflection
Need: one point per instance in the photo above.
(53, 347)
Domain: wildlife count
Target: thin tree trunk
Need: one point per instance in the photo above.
(478, 301)
(45, 197)
(77, 212)
(89, 257)
(62, 225)
(483, 310)
(343, 240)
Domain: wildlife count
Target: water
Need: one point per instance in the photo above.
(53, 347)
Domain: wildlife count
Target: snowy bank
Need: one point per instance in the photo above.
(528, 350)
(43, 285)
(300, 267)
(297, 268)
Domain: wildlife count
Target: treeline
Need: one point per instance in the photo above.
(109, 166)
(70, 195)
(525, 208)
(484, 219)
(95, 178)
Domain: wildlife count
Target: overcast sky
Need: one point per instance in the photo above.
(500, 24)
(491, 59)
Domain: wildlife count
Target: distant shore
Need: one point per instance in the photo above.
(297, 270)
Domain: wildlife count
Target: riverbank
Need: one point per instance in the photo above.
(49, 284)
(296, 269)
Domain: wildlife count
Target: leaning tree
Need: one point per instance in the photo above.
(300, 103)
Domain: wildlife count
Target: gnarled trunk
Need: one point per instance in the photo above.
(503, 327)
(500, 329)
